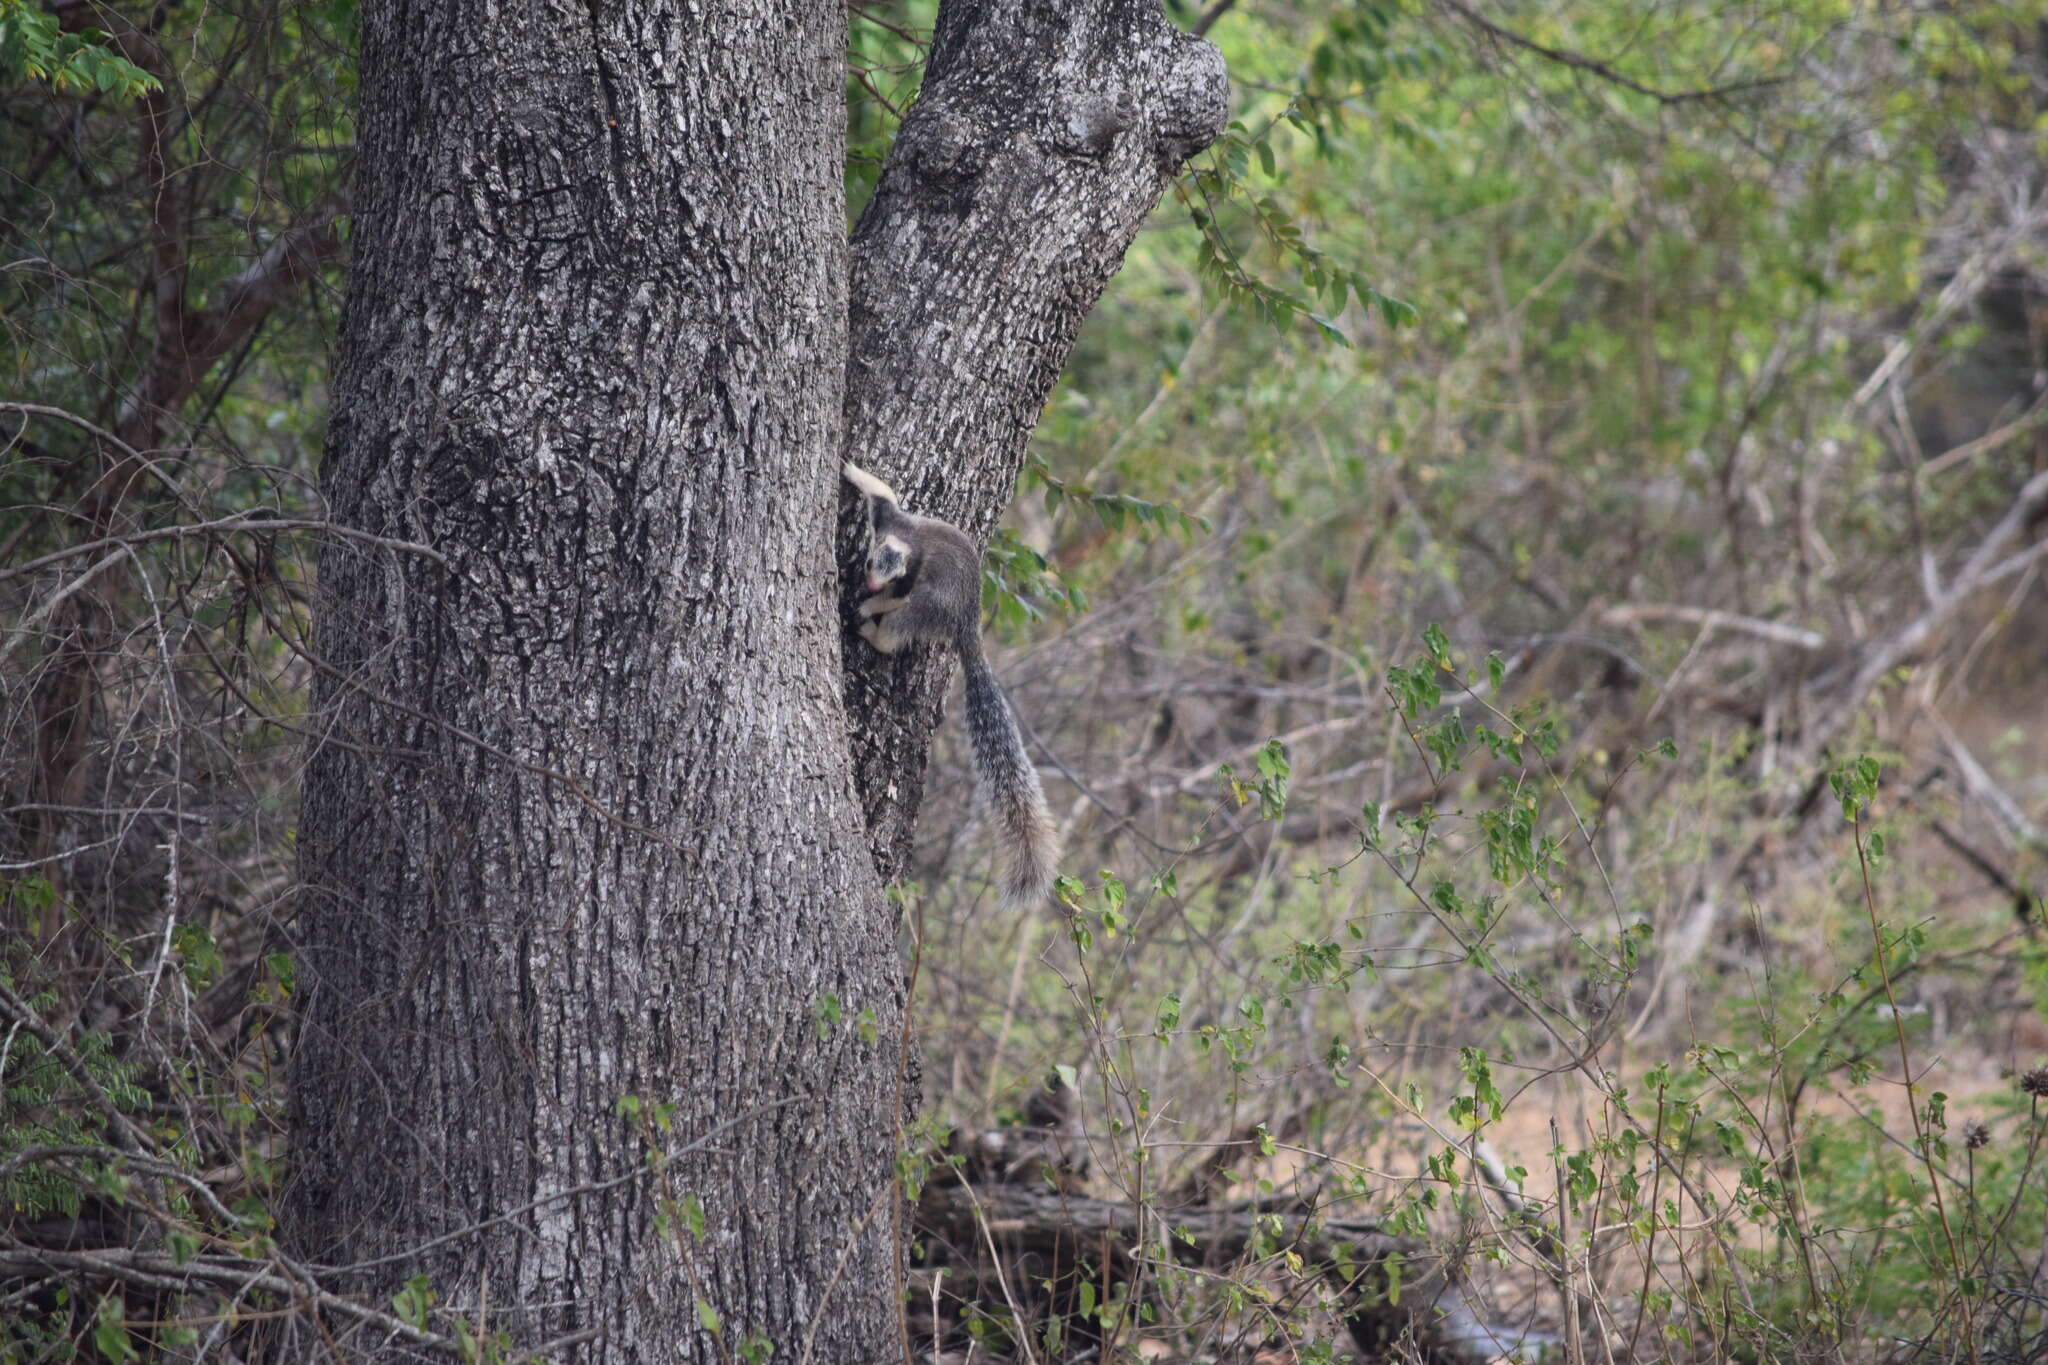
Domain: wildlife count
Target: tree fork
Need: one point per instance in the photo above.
(591, 828)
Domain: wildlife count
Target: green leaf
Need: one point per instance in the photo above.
(1438, 646)
(1329, 329)
(414, 1301)
(110, 1331)
(693, 1217)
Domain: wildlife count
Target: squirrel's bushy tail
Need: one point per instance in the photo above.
(1009, 785)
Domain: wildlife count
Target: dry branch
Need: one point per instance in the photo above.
(1710, 618)
(1882, 655)
(1353, 1256)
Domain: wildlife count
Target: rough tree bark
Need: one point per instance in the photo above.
(584, 828)
(586, 825)
(1042, 137)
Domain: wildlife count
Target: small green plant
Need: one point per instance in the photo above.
(53, 1096)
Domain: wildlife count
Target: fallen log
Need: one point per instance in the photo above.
(1044, 1236)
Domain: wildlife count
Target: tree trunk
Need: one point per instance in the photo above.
(584, 827)
(1041, 139)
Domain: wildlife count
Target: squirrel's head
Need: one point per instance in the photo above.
(888, 560)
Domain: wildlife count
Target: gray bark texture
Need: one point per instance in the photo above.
(584, 827)
(1042, 137)
(587, 823)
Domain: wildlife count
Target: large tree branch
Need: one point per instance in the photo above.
(1040, 141)
(190, 343)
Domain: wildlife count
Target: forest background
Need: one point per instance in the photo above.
(1527, 598)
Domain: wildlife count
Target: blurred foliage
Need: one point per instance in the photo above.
(1627, 451)
(34, 47)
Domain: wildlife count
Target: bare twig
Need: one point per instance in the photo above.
(1981, 786)
(1993, 440)
(240, 522)
(1574, 1346)
(1593, 66)
(23, 628)
(863, 12)
(1210, 15)
(167, 1273)
(1714, 619)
